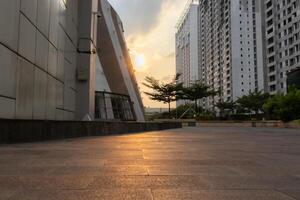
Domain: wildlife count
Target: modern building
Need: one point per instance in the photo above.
(38, 59)
(229, 47)
(293, 79)
(231, 55)
(187, 60)
(49, 56)
(120, 97)
(282, 43)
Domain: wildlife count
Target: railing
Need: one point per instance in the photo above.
(112, 106)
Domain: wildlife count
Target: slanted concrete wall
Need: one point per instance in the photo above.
(16, 131)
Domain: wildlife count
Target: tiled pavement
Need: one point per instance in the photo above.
(189, 163)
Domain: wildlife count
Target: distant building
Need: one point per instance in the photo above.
(187, 62)
(229, 47)
(293, 79)
(282, 42)
(231, 55)
(156, 110)
(50, 62)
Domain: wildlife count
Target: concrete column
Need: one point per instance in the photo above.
(86, 69)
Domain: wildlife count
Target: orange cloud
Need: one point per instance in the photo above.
(156, 43)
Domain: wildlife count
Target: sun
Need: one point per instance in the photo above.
(139, 61)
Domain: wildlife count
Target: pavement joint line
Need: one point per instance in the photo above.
(250, 165)
(282, 192)
(151, 193)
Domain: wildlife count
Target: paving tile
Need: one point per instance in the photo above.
(190, 170)
(6, 194)
(252, 182)
(219, 195)
(189, 163)
(44, 182)
(293, 193)
(148, 182)
(184, 162)
(101, 170)
(83, 195)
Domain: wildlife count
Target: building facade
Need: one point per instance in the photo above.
(49, 57)
(282, 42)
(245, 46)
(229, 46)
(38, 58)
(121, 97)
(187, 61)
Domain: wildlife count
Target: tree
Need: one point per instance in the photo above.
(163, 92)
(253, 102)
(284, 107)
(226, 107)
(195, 92)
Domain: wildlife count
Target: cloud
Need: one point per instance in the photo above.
(138, 15)
(167, 78)
(170, 55)
(150, 30)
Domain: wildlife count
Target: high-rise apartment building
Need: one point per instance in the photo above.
(187, 44)
(229, 46)
(187, 63)
(50, 62)
(282, 42)
(231, 54)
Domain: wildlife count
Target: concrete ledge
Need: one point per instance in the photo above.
(248, 124)
(17, 131)
(266, 124)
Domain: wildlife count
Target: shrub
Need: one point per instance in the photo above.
(284, 107)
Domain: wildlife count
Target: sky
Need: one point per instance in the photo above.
(150, 34)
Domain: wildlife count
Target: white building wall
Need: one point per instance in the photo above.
(101, 81)
(246, 68)
(187, 47)
(194, 66)
(230, 48)
(282, 42)
(86, 69)
(106, 9)
(37, 39)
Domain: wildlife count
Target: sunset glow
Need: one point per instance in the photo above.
(139, 62)
(149, 27)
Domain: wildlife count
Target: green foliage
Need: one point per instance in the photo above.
(196, 91)
(296, 121)
(226, 108)
(284, 107)
(206, 116)
(188, 109)
(163, 92)
(252, 103)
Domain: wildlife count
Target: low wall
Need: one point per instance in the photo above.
(258, 124)
(266, 124)
(16, 131)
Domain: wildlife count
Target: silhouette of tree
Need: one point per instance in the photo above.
(163, 92)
